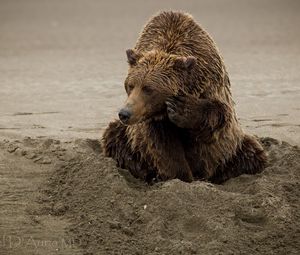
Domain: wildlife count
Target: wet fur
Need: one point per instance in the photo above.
(197, 135)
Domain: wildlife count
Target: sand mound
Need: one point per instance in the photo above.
(113, 213)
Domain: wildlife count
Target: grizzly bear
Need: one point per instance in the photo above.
(179, 119)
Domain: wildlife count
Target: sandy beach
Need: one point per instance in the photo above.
(62, 67)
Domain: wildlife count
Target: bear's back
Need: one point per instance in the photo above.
(174, 33)
(177, 33)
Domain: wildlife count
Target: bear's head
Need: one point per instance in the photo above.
(152, 78)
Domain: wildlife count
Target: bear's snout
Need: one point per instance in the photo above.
(124, 115)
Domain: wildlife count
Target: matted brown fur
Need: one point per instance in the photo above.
(182, 120)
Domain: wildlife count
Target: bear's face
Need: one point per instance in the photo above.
(152, 78)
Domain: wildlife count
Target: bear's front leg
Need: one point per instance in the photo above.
(204, 115)
(167, 152)
(116, 144)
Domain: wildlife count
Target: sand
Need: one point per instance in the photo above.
(79, 201)
(62, 66)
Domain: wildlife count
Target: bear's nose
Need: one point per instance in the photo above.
(124, 115)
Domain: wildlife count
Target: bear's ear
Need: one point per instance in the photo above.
(132, 57)
(186, 63)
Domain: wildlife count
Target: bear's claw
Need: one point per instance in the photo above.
(176, 111)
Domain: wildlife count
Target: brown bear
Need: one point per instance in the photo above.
(179, 119)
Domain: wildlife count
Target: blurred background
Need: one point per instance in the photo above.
(62, 62)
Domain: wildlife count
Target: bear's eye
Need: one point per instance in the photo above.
(129, 88)
(147, 90)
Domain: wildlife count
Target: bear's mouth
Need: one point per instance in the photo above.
(158, 116)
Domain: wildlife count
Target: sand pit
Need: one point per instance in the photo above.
(104, 210)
